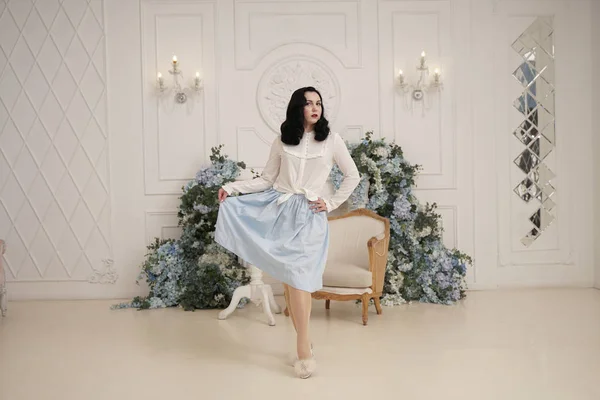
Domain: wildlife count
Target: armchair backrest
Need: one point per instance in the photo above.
(350, 233)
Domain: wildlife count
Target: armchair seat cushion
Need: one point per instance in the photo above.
(345, 291)
(342, 274)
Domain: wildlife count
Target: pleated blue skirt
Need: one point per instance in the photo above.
(288, 241)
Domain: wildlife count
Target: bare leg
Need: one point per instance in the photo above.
(286, 292)
(300, 308)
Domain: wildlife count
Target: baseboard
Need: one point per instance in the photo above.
(21, 291)
(480, 286)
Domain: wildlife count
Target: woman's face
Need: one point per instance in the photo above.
(312, 109)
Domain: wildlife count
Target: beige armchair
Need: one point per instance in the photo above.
(3, 299)
(357, 259)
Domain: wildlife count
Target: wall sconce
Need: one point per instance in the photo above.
(181, 93)
(419, 92)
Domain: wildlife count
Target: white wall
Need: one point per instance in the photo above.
(55, 209)
(595, 17)
(246, 46)
(242, 49)
(563, 254)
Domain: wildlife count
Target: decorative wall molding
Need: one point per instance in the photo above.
(246, 138)
(107, 275)
(161, 224)
(53, 123)
(559, 253)
(263, 26)
(280, 80)
(353, 133)
(428, 140)
(55, 188)
(449, 215)
(178, 138)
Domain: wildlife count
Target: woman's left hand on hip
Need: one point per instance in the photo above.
(318, 205)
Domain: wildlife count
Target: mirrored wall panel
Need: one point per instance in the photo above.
(536, 132)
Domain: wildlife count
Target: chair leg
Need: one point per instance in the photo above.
(3, 299)
(377, 305)
(327, 303)
(365, 308)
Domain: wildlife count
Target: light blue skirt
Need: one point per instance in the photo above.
(288, 241)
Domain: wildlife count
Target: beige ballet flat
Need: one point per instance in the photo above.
(293, 357)
(305, 368)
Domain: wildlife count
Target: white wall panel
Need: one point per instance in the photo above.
(562, 253)
(162, 225)
(177, 138)
(262, 26)
(54, 172)
(428, 137)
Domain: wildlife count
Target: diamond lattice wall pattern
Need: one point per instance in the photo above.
(54, 180)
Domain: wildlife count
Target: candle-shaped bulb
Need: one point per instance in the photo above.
(436, 75)
(423, 54)
(197, 81)
(160, 82)
(401, 77)
(174, 59)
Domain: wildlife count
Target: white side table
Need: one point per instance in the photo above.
(3, 296)
(258, 292)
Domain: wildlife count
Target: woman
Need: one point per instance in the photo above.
(283, 229)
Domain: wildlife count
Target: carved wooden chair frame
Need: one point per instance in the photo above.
(378, 254)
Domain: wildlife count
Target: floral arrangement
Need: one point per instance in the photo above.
(195, 272)
(419, 266)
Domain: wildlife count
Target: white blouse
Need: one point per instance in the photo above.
(304, 169)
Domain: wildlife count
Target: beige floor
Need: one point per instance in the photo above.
(532, 344)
